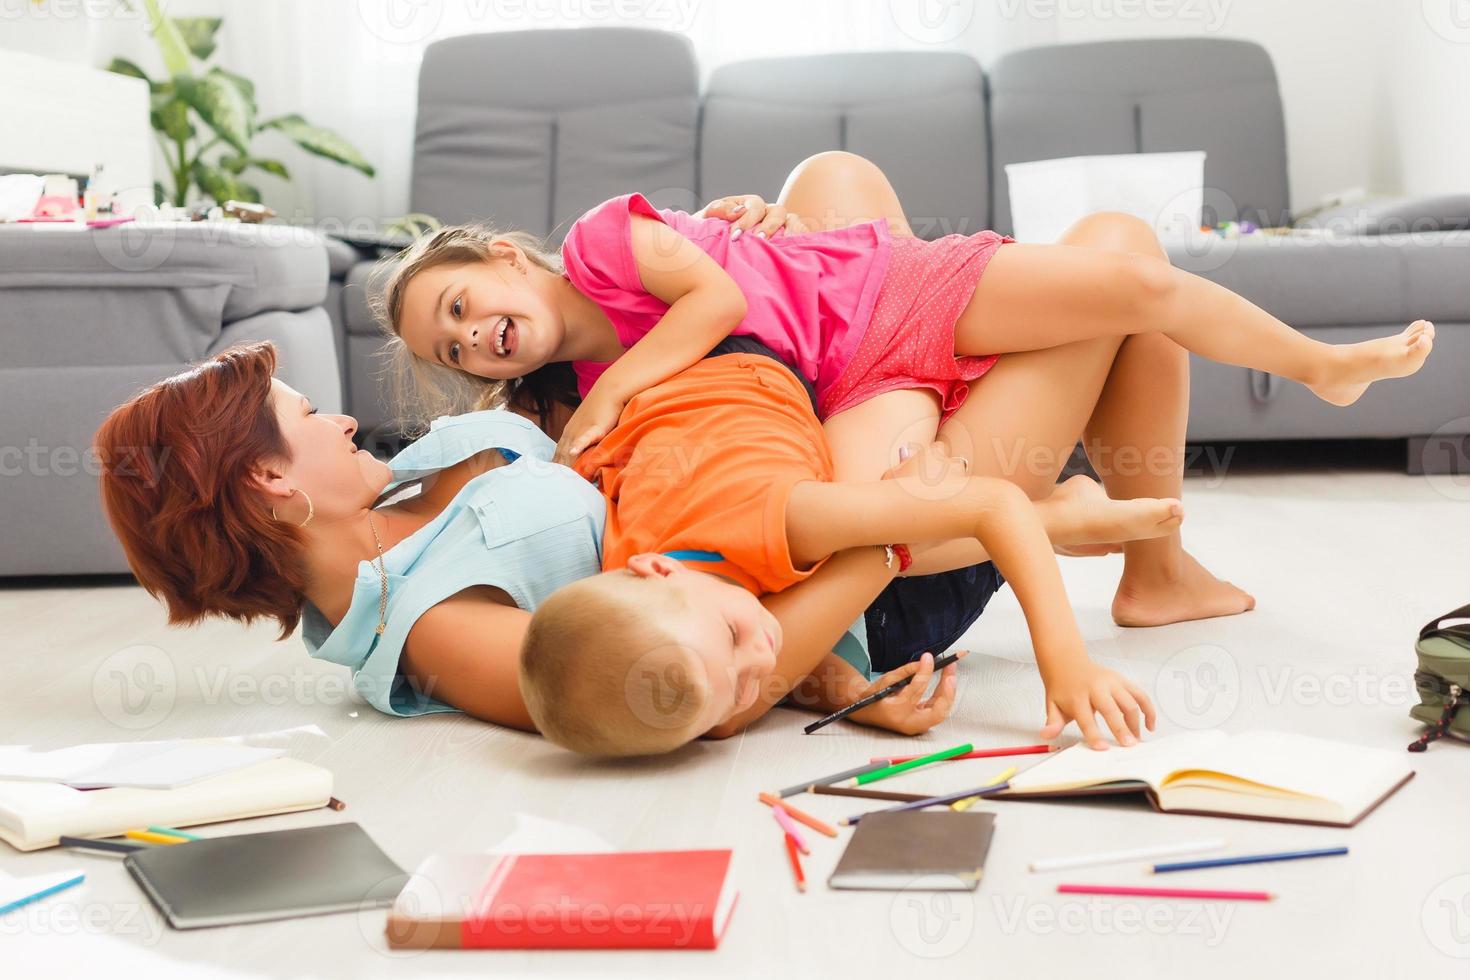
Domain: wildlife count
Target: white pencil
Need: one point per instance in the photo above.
(1118, 857)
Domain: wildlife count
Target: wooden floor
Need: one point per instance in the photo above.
(1347, 564)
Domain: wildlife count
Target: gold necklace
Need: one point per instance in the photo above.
(382, 575)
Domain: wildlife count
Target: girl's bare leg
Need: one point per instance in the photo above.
(1037, 296)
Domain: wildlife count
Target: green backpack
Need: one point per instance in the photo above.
(1443, 677)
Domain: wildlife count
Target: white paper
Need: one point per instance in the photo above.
(142, 765)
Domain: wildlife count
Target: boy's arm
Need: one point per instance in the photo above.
(705, 305)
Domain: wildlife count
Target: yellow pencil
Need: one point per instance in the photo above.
(149, 837)
(969, 801)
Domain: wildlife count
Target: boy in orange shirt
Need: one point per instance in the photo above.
(719, 489)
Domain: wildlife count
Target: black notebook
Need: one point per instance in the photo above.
(927, 850)
(284, 874)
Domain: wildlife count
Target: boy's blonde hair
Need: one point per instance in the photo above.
(601, 674)
(420, 391)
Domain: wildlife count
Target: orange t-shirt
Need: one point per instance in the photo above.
(706, 461)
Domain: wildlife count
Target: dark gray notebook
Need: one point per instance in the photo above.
(284, 874)
(928, 850)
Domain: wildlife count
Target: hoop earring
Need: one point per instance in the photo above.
(310, 510)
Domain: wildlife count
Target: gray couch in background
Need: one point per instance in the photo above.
(623, 110)
(87, 318)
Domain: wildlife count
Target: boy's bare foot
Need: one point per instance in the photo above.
(1356, 366)
(1079, 513)
(1192, 593)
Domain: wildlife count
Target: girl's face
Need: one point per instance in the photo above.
(485, 318)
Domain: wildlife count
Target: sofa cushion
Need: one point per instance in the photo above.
(584, 115)
(919, 115)
(1148, 96)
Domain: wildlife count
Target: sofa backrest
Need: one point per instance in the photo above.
(920, 115)
(1145, 96)
(529, 129)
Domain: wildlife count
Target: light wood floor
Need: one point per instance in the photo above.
(1346, 565)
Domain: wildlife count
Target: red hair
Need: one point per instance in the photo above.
(176, 486)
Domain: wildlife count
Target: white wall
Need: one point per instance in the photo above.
(1423, 144)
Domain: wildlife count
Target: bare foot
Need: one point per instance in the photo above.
(1079, 516)
(1192, 594)
(1359, 365)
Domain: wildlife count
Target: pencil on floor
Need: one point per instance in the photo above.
(1227, 862)
(961, 806)
(1136, 892)
(820, 826)
(795, 863)
(149, 837)
(894, 770)
(111, 846)
(834, 778)
(974, 754)
(1119, 857)
(868, 794)
(789, 825)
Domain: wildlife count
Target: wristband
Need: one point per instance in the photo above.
(899, 551)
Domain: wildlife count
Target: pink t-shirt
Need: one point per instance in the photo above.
(808, 297)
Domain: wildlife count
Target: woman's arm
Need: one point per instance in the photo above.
(705, 305)
(465, 651)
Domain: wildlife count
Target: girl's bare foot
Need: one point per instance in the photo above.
(1189, 593)
(1356, 366)
(1080, 513)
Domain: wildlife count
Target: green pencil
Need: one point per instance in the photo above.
(172, 833)
(894, 770)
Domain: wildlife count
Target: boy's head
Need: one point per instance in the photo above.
(644, 659)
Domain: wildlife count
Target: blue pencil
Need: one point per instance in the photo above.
(43, 893)
(1226, 862)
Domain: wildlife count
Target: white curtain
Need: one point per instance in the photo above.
(351, 65)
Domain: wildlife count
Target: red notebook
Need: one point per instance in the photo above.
(620, 900)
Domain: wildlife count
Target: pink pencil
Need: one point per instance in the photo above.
(1205, 893)
(977, 754)
(789, 825)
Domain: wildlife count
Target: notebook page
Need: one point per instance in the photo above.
(1351, 775)
(1150, 761)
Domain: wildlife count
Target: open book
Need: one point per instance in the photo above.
(1261, 775)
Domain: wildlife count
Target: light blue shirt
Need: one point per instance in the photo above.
(528, 527)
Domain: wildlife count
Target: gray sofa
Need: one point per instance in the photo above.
(89, 317)
(537, 156)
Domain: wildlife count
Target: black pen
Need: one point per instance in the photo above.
(940, 663)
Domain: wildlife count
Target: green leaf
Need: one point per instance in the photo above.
(322, 142)
(170, 116)
(170, 42)
(217, 183)
(160, 196)
(198, 34)
(245, 85)
(122, 66)
(247, 192)
(220, 104)
(238, 164)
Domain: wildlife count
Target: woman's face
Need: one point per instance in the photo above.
(485, 318)
(340, 478)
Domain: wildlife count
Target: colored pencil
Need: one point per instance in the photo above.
(111, 846)
(836, 777)
(820, 826)
(940, 663)
(795, 864)
(1133, 891)
(24, 900)
(868, 794)
(961, 806)
(930, 801)
(149, 837)
(1226, 862)
(894, 770)
(1119, 857)
(976, 754)
(174, 833)
(789, 825)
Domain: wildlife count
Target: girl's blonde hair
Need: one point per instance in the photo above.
(420, 391)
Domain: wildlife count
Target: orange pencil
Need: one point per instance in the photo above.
(795, 863)
(821, 827)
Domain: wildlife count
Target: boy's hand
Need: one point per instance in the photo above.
(593, 419)
(1086, 690)
(908, 711)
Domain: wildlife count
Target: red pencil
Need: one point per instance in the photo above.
(795, 863)
(1133, 890)
(977, 754)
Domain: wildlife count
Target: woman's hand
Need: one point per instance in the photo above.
(908, 711)
(593, 419)
(1085, 690)
(748, 213)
